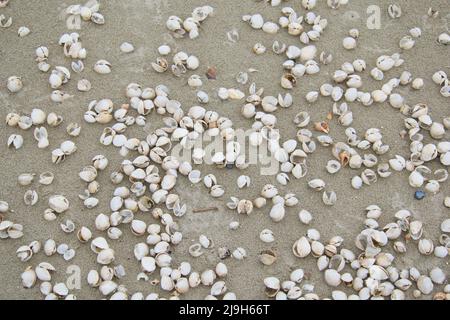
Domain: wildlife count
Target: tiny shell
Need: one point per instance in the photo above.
(126, 47)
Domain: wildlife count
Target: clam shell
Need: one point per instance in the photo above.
(301, 248)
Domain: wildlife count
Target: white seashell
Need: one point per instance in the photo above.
(107, 287)
(68, 226)
(444, 38)
(58, 203)
(272, 285)
(415, 32)
(446, 202)
(407, 43)
(270, 27)
(349, 43)
(332, 278)
(16, 141)
(425, 285)
(445, 226)
(49, 247)
(28, 278)
(437, 275)
(385, 63)
(25, 179)
(14, 84)
(218, 288)
(126, 47)
(105, 256)
(234, 225)
(97, 18)
(416, 179)
(277, 212)
(256, 21)
(164, 50)
(440, 251)
(207, 277)
(24, 253)
(266, 236)
(301, 248)
(239, 253)
(417, 84)
(357, 182)
(192, 63)
(102, 67)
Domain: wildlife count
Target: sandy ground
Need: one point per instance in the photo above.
(142, 23)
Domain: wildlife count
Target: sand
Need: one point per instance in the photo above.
(142, 23)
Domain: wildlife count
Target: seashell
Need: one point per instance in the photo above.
(245, 207)
(68, 147)
(437, 130)
(239, 253)
(23, 31)
(207, 277)
(16, 141)
(332, 278)
(84, 85)
(256, 21)
(437, 275)
(26, 179)
(416, 229)
(105, 256)
(54, 120)
(407, 43)
(24, 253)
(126, 47)
(426, 246)
(102, 67)
(14, 84)
(46, 178)
(4, 207)
(288, 81)
(195, 250)
(107, 287)
(97, 18)
(217, 191)
(49, 247)
(269, 191)
(266, 236)
(302, 119)
(270, 27)
(445, 226)
(301, 248)
(28, 278)
(277, 212)
(425, 285)
(317, 184)
(68, 226)
(397, 164)
(218, 288)
(267, 257)
(272, 285)
(417, 84)
(349, 43)
(58, 203)
(88, 174)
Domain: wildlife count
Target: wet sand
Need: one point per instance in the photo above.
(142, 23)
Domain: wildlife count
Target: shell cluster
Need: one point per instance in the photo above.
(149, 127)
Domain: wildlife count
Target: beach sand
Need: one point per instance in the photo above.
(143, 24)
